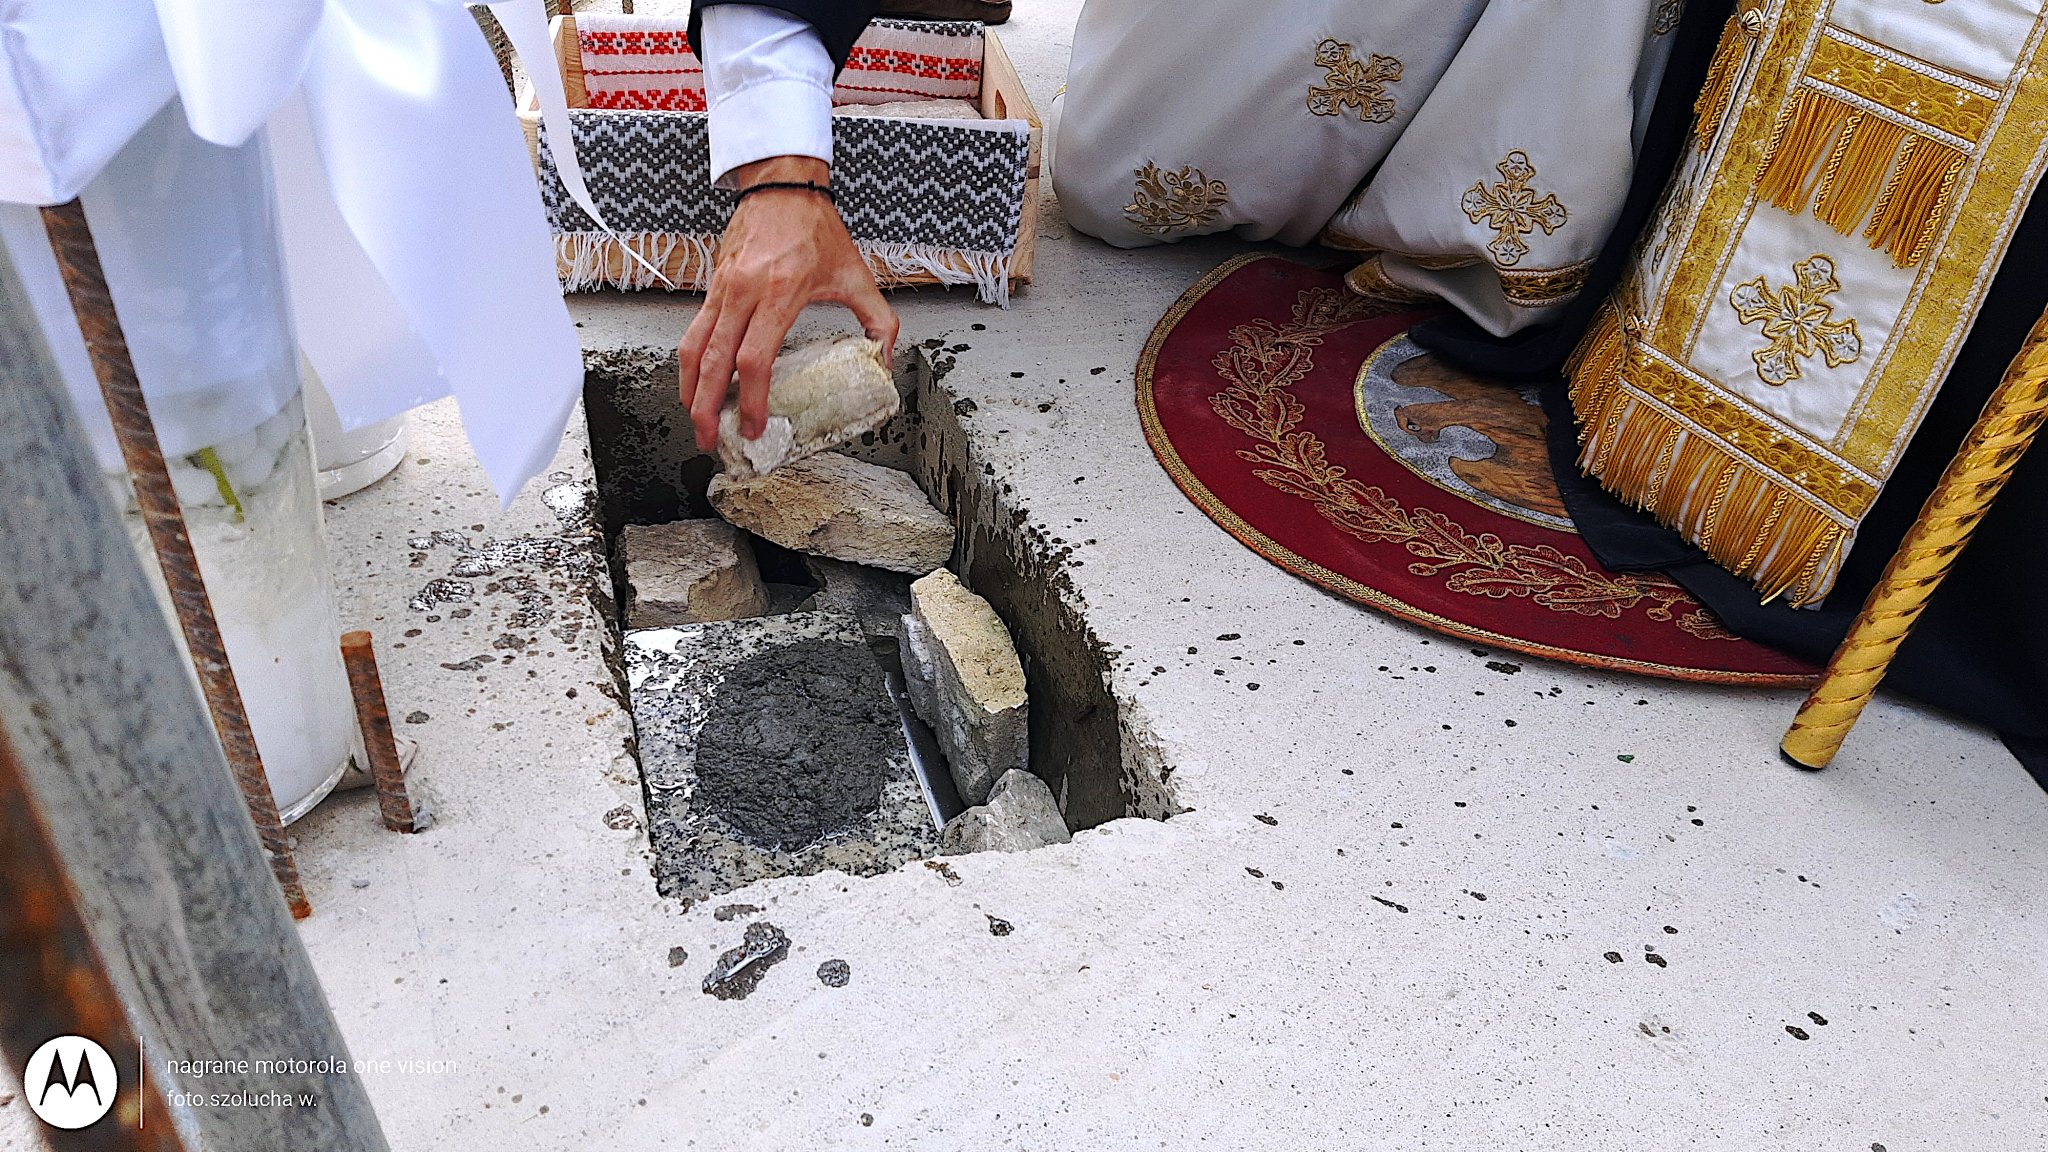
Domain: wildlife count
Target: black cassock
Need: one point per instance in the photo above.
(1981, 649)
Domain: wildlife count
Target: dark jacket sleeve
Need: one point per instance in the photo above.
(839, 22)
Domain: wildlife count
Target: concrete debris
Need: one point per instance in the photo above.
(441, 591)
(834, 973)
(726, 912)
(689, 572)
(877, 597)
(1020, 815)
(836, 506)
(966, 681)
(677, 956)
(770, 747)
(739, 970)
(820, 396)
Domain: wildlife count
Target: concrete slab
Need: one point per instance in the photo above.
(1383, 922)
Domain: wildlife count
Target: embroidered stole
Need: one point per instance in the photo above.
(1812, 272)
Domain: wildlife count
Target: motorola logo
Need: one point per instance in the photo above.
(70, 1082)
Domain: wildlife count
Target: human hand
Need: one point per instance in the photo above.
(783, 250)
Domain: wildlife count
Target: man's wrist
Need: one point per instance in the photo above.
(782, 170)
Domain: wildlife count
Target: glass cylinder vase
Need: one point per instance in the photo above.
(187, 234)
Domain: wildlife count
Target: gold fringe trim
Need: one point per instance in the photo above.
(1913, 203)
(1594, 367)
(1747, 520)
(1717, 92)
(1798, 144)
(1834, 157)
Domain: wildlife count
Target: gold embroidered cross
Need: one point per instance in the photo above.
(1798, 321)
(1360, 84)
(1512, 210)
(1164, 201)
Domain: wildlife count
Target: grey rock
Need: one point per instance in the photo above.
(997, 926)
(879, 598)
(739, 970)
(725, 912)
(784, 599)
(965, 680)
(677, 956)
(689, 572)
(1020, 815)
(819, 397)
(834, 973)
(836, 506)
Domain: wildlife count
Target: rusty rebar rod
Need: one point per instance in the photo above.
(1960, 500)
(373, 718)
(86, 283)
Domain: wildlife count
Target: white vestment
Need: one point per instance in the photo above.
(419, 260)
(1477, 150)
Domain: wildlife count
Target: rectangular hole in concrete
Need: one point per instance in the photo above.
(1096, 762)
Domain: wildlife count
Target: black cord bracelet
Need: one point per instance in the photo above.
(792, 185)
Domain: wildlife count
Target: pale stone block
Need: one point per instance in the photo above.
(966, 682)
(689, 572)
(833, 505)
(820, 396)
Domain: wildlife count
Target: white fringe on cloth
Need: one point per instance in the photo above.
(587, 260)
(989, 272)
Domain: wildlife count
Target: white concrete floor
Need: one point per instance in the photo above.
(1154, 994)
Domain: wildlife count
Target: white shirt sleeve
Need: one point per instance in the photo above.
(768, 87)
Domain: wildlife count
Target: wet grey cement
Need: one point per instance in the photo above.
(798, 743)
(770, 747)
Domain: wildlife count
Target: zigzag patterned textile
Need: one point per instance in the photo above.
(958, 186)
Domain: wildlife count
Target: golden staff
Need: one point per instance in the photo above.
(1962, 497)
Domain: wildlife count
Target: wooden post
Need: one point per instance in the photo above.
(120, 771)
(79, 261)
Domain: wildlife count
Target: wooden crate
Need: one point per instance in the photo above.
(1002, 98)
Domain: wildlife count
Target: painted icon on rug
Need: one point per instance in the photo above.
(1476, 438)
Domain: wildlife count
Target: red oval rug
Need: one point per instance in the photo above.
(1298, 416)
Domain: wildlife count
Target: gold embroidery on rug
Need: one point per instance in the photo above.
(1266, 359)
(1352, 83)
(1512, 210)
(1798, 321)
(1166, 202)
